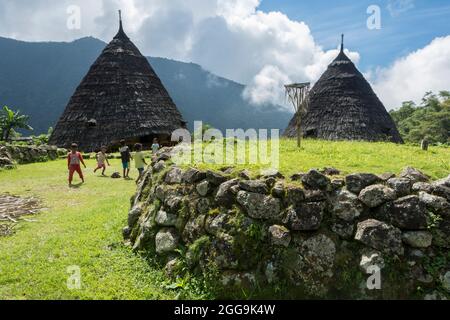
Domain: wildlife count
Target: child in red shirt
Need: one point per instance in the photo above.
(74, 158)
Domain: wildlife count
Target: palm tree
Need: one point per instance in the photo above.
(11, 120)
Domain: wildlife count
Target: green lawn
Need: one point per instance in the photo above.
(352, 157)
(82, 227)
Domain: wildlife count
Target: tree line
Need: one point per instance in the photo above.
(430, 120)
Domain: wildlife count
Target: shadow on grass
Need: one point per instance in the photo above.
(76, 186)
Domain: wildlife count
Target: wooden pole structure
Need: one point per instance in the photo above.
(298, 96)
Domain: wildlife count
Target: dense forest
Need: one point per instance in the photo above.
(430, 120)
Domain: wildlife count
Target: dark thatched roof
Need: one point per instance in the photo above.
(343, 106)
(121, 97)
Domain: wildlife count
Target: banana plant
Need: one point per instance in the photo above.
(11, 120)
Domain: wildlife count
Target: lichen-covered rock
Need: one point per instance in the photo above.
(256, 186)
(315, 180)
(225, 195)
(414, 175)
(422, 186)
(408, 213)
(294, 196)
(279, 235)
(193, 175)
(165, 219)
(259, 206)
(418, 239)
(203, 188)
(305, 216)
(376, 195)
(173, 176)
(435, 203)
(380, 236)
(215, 178)
(346, 206)
(358, 181)
(441, 191)
(315, 268)
(401, 186)
(166, 240)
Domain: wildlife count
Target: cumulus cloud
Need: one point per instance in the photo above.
(410, 77)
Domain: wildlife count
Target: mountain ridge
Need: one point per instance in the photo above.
(39, 78)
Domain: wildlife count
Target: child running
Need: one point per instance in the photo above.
(139, 161)
(101, 159)
(74, 158)
(126, 157)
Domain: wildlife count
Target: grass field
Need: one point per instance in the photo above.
(352, 157)
(82, 226)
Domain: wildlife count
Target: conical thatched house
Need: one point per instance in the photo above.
(121, 97)
(343, 106)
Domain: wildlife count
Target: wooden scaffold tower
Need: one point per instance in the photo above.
(298, 95)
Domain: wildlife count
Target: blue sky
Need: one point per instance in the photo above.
(401, 33)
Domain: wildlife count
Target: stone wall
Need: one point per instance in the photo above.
(12, 154)
(313, 235)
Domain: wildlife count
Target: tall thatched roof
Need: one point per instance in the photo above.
(343, 106)
(121, 97)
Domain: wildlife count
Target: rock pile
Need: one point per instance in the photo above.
(321, 236)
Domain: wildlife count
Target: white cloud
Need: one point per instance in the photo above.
(410, 77)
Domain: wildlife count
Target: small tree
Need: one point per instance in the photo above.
(10, 121)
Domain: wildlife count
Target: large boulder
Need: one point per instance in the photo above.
(259, 206)
(358, 181)
(305, 216)
(376, 195)
(380, 236)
